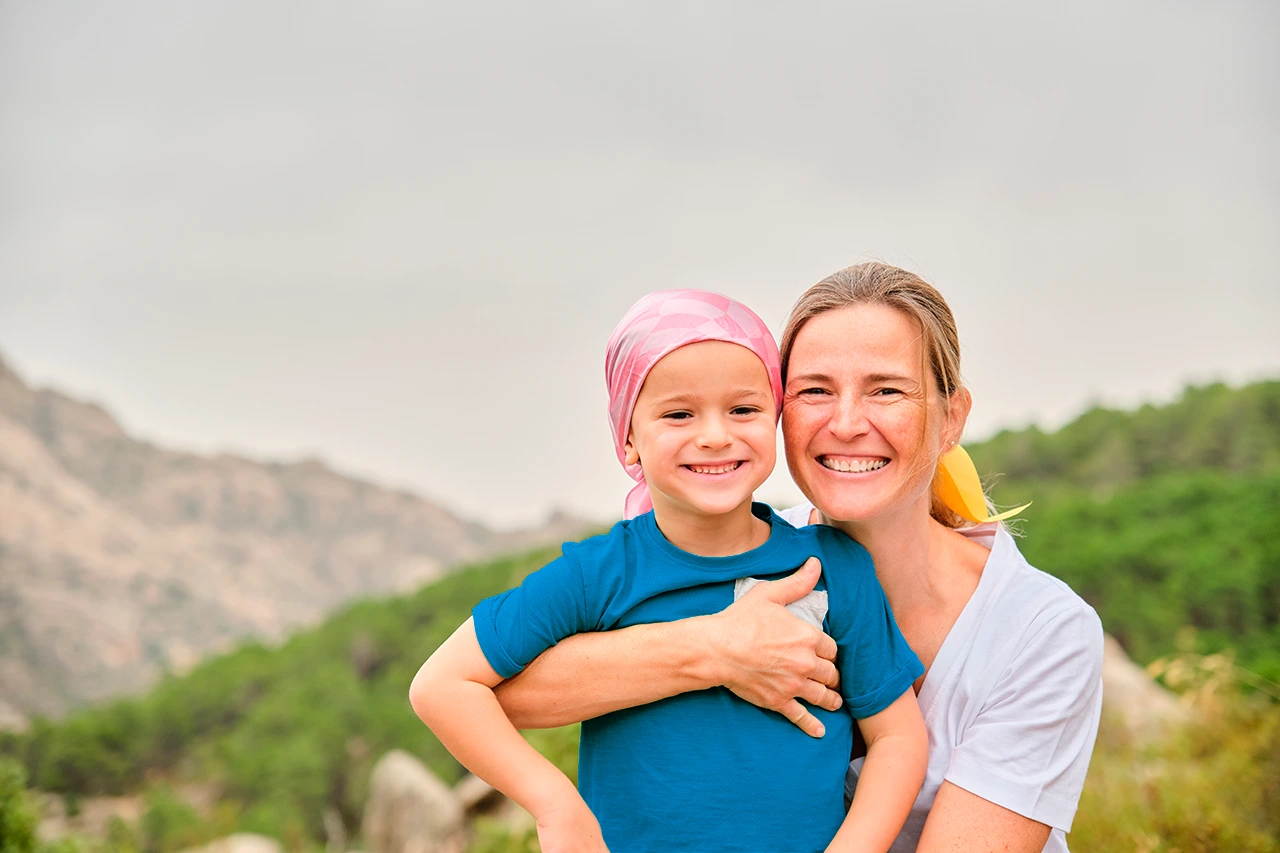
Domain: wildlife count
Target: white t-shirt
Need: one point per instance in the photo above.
(1013, 698)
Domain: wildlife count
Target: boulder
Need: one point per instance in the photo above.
(475, 794)
(480, 799)
(241, 842)
(1131, 698)
(11, 720)
(409, 810)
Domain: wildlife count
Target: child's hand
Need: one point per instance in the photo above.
(570, 828)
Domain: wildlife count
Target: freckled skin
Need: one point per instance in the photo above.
(857, 390)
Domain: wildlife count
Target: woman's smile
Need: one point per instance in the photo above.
(853, 464)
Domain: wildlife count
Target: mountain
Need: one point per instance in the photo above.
(120, 560)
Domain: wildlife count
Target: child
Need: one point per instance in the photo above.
(695, 392)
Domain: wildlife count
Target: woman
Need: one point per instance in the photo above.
(1012, 690)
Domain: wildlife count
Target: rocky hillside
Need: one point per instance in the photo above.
(120, 559)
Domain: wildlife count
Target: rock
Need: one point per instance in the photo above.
(480, 799)
(11, 720)
(241, 842)
(93, 818)
(1131, 698)
(475, 794)
(409, 810)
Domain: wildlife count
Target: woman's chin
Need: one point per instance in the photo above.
(846, 501)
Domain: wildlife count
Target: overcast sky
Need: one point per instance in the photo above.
(397, 235)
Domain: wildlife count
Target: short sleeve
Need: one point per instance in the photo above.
(1028, 749)
(516, 626)
(876, 664)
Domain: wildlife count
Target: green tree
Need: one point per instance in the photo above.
(17, 818)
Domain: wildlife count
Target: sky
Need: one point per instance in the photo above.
(396, 235)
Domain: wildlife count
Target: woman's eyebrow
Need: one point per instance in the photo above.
(889, 377)
(809, 377)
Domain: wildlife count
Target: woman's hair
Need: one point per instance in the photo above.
(880, 284)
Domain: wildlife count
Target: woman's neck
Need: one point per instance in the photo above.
(914, 557)
(722, 535)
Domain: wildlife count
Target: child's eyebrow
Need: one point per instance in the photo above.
(676, 398)
(694, 398)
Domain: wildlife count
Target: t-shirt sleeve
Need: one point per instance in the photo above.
(876, 664)
(1028, 749)
(516, 626)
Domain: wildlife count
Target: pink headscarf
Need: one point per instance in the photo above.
(656, 325)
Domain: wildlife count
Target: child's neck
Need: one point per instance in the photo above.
(723, 535)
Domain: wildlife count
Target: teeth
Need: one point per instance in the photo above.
(853, 466)
(714, 469)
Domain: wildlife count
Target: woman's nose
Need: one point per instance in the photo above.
(849, 419)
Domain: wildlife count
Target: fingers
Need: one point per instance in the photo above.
(820, 696)
(806, 722)
(826, 648)
(825, 672)
(797, 585)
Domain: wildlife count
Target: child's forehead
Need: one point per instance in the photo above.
(708, 367)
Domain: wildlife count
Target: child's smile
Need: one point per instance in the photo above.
(715, 470)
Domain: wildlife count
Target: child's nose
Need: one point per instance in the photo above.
(714, 434)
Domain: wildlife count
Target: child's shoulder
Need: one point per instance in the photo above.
(608, 547)
(823, 539)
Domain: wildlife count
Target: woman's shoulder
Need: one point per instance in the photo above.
(1033, 605)
(796, 516)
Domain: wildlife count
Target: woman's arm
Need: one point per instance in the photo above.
(961, 822)
(754, 647)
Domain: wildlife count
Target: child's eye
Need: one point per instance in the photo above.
(677, 416)
(744, 410)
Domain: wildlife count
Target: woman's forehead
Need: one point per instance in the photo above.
(862, 339)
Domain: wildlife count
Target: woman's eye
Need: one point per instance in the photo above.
(886, 392)
(813, 391)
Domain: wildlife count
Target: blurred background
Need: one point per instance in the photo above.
(303, 310)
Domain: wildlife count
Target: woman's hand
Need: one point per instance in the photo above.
(770, 657)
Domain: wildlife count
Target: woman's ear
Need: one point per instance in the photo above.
(957, 414)
(632, 456)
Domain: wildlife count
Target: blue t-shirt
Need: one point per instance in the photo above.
(706, 771)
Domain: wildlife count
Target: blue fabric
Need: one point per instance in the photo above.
(707, 771)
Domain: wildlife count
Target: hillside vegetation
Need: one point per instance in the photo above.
(1164, 519)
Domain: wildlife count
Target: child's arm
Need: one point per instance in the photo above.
(897, 757)
(453, 694)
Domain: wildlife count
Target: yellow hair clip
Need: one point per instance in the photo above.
(958, 485)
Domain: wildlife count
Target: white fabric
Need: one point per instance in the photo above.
(1013, 698)
(812, 607)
